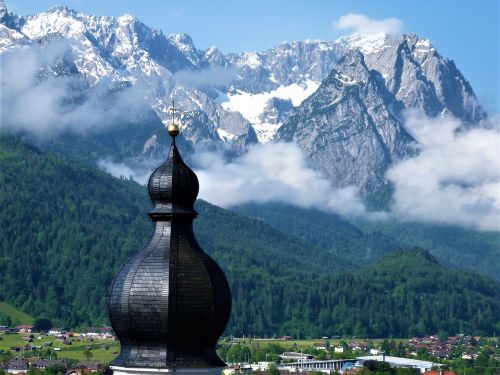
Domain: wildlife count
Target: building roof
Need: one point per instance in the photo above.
(43, 363)
(398, 361)
(16, 364)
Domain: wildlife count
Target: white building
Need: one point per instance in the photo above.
(261, 366)
(293, 356)
(422, 366)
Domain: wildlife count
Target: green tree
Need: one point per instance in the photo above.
(42, 324)
(87, 354)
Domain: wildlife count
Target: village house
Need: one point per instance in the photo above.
(358, 346)
(25, 329)
(16, 365)
(320, 346)
(42, 364)
(56, 331)
(88, 367)
(103, 333)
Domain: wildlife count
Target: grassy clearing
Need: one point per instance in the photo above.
(74, 351)
(15, 315)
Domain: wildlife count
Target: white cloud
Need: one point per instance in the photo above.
(33, 98)
(361, 24)
(211, 76)
(138, 171)
(274, 172)
(455, 179)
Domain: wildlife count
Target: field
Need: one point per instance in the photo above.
(101, 350)
(18, 317)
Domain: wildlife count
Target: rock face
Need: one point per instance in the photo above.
(276, 111)
(351, 127)
(416, 76)
(284, 65)
(346, 128)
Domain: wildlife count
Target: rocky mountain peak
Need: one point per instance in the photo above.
(183, 41)
(61, 9)
(126, 19)
(366, 43)
(215, 57)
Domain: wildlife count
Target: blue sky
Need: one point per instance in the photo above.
(465, 31)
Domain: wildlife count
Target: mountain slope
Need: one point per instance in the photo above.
(453, 246)
(66, 228)
(10, 316)
(345, 127)
(367, 242)
(412, 293)
(324, 230)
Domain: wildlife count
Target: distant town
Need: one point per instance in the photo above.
(25, 350)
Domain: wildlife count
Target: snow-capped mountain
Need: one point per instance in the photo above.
(348, 120)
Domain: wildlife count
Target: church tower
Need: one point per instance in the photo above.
(170, 303)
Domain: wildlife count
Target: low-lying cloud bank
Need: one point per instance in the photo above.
(136, 170)
(274, 172)
(455, 179)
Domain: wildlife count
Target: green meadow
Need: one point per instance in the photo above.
(100, 350)
(17, 317)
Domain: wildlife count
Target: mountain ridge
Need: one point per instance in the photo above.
(165, 67)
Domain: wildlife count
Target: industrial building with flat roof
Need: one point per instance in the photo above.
(422, 366)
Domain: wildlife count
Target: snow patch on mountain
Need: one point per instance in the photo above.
(251, 106)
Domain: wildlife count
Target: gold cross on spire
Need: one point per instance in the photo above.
(173, 128)
(172, 111)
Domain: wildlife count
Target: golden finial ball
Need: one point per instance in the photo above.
(173, 129)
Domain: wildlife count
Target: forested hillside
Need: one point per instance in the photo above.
(66, 228)
(367, 242)
(325, 230)
(410, 293)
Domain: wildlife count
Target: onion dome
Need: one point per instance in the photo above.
(171, 302)
(173, 187)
